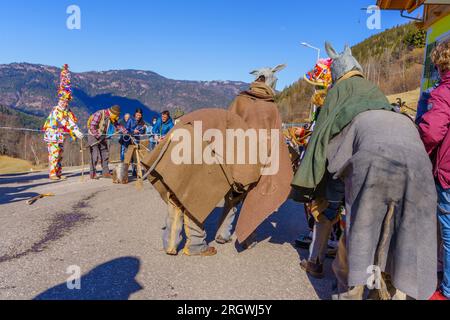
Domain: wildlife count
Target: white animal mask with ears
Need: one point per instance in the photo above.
(342, 63)
(269, 75)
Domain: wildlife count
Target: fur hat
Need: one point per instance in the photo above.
(115, 110)
(342, 63)
(65, 87)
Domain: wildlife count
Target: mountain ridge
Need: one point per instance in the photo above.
(31, 88)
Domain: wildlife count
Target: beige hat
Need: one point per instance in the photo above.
(115, 110)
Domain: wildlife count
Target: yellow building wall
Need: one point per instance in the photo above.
(437, 33)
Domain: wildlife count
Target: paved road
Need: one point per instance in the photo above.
(113, 234)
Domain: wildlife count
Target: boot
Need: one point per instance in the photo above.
(172, 253)
(208, 252)
(93, 176)
(313, 269)
(354, 294)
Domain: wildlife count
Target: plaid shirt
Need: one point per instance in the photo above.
(96, 119)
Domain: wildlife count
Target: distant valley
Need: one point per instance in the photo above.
(31, 89)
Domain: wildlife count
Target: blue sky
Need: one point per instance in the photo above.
(183, 39)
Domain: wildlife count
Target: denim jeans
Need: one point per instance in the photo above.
(123, 150)
(224, 232)
(444, 219)
(230, 210)
(323, 228)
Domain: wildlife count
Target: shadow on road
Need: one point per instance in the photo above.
(29, 177)
(114, 280)
(284, 227)
(21, 178)
(19, 184)
(17, 194)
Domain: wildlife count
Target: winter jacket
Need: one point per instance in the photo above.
(162, 129)
(434, 130)
(133, 125)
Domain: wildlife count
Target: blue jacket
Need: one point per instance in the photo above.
(161, 128)
(133, 125)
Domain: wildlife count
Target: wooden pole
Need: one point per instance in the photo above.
(82, 160)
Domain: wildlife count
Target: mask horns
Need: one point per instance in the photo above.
(348, 50)
(278, 68)
(330, 51)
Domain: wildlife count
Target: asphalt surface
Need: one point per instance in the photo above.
(111, 234)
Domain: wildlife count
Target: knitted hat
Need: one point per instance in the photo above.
(65, 87)
(321, 75)
(115, 110)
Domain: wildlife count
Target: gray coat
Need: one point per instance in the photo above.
(384, 164)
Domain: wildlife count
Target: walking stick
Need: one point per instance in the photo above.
(41, 196)
(82, 161)
(140, 182)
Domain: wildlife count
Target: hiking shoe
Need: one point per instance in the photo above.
(221, 240)
(354, 294)
(438, 296)
(313, 269)
(208, 252)
(172, 253)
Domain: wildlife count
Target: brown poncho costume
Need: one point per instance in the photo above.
(200, 187)
(258, 109)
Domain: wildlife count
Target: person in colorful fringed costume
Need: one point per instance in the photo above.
(321, 215)
(61, 122)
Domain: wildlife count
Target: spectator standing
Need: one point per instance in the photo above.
(434, 130)
(98, 125)
(163, 126)
(150, 134)
(124, 140)
(136, 127)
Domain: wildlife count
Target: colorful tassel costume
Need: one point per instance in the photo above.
(60, 122)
